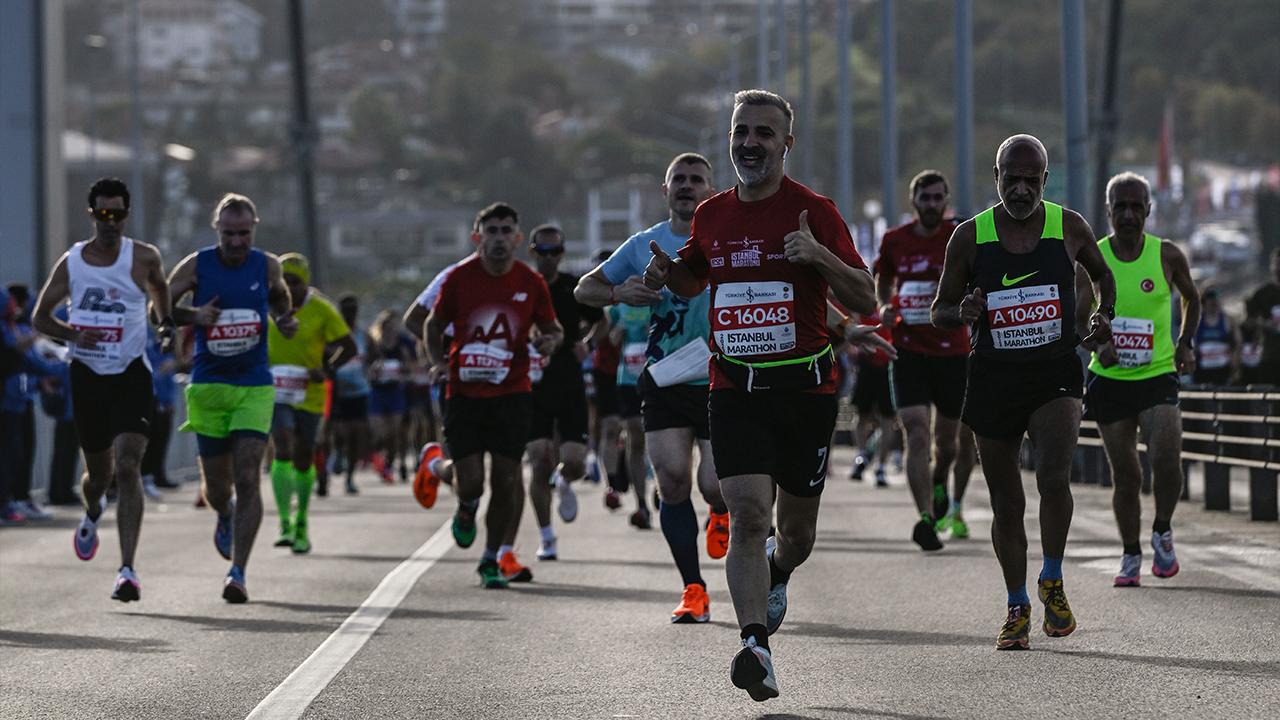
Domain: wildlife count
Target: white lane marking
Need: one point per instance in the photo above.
(291, 698)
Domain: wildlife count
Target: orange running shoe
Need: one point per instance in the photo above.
(695, 606)
(718, 535)
(426, 484)
(512, 570)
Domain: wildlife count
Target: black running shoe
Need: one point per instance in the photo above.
(925, 536)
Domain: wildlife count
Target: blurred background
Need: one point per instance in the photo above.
(370, 132)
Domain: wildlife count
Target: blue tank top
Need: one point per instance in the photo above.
(233, 350)
(1217, 332)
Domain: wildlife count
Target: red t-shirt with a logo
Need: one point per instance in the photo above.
(492, 317)
(764, 307)
(912, 265)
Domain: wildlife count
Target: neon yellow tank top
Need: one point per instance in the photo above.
(1142, 330)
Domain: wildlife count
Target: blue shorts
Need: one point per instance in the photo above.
(387, 399)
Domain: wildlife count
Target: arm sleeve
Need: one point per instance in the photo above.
(831, 230)
(622, 263)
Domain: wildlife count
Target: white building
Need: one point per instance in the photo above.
(200, 35)
(420, 22)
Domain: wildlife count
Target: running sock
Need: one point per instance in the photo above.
(282, 486)
(618, 481)
(436, 466)
(720, 509)
(304, 482)
(504, 549)
(680, 528)
(776, 575)
(547, 532)
(1052, 568)
(759, 632)
(470, 505)
(955, 507)
(491, 555)
(1018, 596)
(1160, 526)
(1132, 549)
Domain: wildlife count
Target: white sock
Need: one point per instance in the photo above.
(436, 467)
(504, 549)
(547, 533)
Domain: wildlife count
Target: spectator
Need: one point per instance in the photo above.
(1262, 329)
(1217, 343)
(17, 413)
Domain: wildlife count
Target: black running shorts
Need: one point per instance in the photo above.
(937, 380)
(1108, 400)
(104, 406)
(628, 401)
(676, 406)
(871, 391)
(305, 425)
(560, 404)
(606, 395)
(497, 425)
(355, 407)
(1001, 396)
(786, 435)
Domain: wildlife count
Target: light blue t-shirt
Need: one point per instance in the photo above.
(673, 321)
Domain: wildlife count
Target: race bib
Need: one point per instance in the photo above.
(1214, 354)
(483, 363)
(387, 371)
(754, 318)
(1251, 354)
(1024, 317)
(236, 331)
(537, 364)
(1133, 339)
(291, 383)
(420, 376)
(110, 328)
(634, 356)
(914, 300)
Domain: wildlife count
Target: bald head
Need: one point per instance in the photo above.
(1021, 171)
(1016, 142)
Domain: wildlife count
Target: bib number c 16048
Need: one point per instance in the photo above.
(754, 318)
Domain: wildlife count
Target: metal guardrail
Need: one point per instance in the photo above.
(1221, 429)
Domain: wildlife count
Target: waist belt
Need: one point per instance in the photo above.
(802, 373)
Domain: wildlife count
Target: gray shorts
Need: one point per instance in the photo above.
(303, 424)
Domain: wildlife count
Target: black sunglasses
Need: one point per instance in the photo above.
(235, 233)
(549, 250)
(109, 214)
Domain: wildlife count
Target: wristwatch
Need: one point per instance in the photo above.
(1108, 310)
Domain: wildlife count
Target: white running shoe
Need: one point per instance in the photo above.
(32, 510)
(568, 500)
(777, 609)
(1165, 562)
(752, 670)
(1130, 571)
(149, 488)
(547, 551)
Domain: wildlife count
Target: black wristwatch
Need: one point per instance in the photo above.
(1190, 342)
(1108, 310)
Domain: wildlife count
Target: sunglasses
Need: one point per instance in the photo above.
(235, 233)
(549, 250)
(109, 214)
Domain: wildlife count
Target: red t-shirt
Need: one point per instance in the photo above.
(912, 265)
(606, 356)
(875, 358)
(764, 307)
(491, 316)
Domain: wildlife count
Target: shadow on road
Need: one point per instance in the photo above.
(57, 641)
(600, 592)
(897, 547)
(1241, 668)
(881, 636)
(399, 612)
(872, 712)
(1230, 592)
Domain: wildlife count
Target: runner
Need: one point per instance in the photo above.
(351, 398)
(493, 302)
(559, 404)
(606, 356)
(1260, 358)
(390, 362)
(1024, 377)
(300, 364)
(674, 407)
(1217, 343)
(107, 280)
(234, 287)
(772, 401)
(629, 332)
(930, 369)
(873, 400)
(1133, 383)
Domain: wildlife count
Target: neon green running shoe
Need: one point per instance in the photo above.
(464, 527)
(286, 535)
(491, 576)
(959, 528)
(1058, 620)
(301, 544)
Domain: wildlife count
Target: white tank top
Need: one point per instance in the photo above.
(108, 300)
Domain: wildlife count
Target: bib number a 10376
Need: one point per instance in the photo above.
(754, 318)
(1024, 317)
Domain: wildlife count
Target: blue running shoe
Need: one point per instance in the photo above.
(222, 532)
(233, 589)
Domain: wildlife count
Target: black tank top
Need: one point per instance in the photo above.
(1031, 297)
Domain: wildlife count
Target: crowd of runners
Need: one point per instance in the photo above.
(706, 353)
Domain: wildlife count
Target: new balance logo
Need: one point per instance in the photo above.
(520, 297)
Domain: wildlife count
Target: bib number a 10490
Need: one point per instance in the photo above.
(754, 318)
(1134, 339)
(1024, 317)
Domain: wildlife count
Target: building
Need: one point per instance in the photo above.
(195, 35)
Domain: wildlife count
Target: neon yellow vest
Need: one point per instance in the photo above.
(1142, 331)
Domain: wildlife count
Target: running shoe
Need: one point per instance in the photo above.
(1165, 562)
(641, 519)
(351, 487)
(694, 607)
(752, 670)
(404, 471)
(718, 535)
(85, 540)
(859, 467)
(512, 570)
(233, 588)
(464, 527)
(286, 535)
(1058, 620)
(941, 503)
(200, 500)
(11, 515)
(301, 543)
(958, 527)
(127, 587)
(149, 488)
(426, 484)
(547, 550)
(777, 609)
(594, 474)
(925, 536)
(491, 576)
(896, 458)
(568, 506)
(1015, 633)
(612, 499)
(1130, 571)
(881, 480)
(32, 511)
(222, 532)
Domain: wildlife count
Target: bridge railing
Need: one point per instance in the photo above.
(1222, 428)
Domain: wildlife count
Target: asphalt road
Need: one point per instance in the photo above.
(875, 628)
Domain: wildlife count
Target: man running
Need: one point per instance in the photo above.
(674, 409)
(930, 369)
(493, 302)
(770, 249)
(1217, 343)
(299, 367)
(107, 280)
(351, 396)
(235, 288)
(1019, 259)
(559, 404)
(1134, 377)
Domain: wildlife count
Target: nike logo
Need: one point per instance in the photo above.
(1007, 282)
